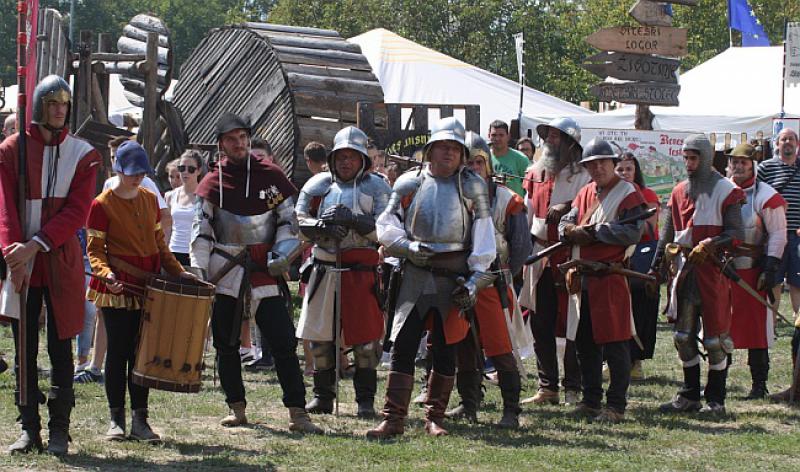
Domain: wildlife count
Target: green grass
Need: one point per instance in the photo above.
(753, 436)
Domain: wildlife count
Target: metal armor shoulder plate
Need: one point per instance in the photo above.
(374, 185)
(477, 192)
(317, 185)
(407, 183)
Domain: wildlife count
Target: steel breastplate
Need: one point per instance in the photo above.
(753, 229)
(230, 228)
(438, 216)
(359, 203)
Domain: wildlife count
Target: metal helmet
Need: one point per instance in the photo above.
(52, 88)
(229, 122)
(567, 126)
(598, 149)
(350, 138)
(478, 147)
(447, 129)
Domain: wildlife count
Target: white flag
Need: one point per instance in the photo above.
(519, 43)
(792, 69)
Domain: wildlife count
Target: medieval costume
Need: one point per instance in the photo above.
(704, 216)
(501, 332)
(244, 237)
(60, 184)
(600, 319)
(338, 213)
(439, 220)
(551, 186)
(759, 257)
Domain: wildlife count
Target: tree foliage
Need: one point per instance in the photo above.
(479, 32)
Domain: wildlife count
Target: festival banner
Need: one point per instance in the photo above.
(659, 153)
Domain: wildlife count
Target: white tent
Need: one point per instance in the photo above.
(739, 90)
(411, 73)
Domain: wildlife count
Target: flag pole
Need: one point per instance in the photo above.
(22, 325)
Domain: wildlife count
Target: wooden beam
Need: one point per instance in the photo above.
(150, 113)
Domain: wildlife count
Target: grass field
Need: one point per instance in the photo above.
(753, 436)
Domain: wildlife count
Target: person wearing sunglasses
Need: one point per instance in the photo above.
(180, 202)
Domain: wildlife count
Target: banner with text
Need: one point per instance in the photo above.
(658, 152)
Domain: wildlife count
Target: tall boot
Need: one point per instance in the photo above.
(365, 383)
(324, 392)
(116, 428)
(439, 388)
(30, 439)
(510, 387)
(758, 361)
(140, 428)
(59, 403)
(468, 384)
(716, 387)
(688, 397)
(395, 408)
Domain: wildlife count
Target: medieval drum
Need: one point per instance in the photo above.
(173, 335)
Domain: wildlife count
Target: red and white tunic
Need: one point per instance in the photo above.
(541, 194)
(695, 221)
(612, 317)
(764, 221)
(60, 187)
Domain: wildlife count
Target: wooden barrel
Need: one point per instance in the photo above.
(296, 85)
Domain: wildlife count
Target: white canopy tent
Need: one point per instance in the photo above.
(412, 73)
(739, 90)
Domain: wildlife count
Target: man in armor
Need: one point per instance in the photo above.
(337, 210)
(599, 317)
(551, 185)
(61, 171)
(244, 237)
(502, 332)
(438, 218)
(758, 263)
(704, 218)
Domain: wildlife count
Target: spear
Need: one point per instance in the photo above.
(22, 329)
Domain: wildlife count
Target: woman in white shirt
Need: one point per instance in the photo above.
(181, 204)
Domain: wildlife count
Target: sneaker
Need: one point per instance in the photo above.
(386, 360)
(713, 408)
(246, 355)
(82, 367)
(609, 415)
(636, 371)
(572, 397)
(88, 376)
(680, 404)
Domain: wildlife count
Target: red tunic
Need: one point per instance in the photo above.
(55, 220)
(609, 295)
(693, 225)
(362, 318)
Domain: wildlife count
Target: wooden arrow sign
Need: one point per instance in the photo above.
(650, 13)
(627, 66)
(662, 40)
(644, 93)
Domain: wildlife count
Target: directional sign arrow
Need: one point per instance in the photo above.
(662, 40)
(628, 66)
(648, 12)
(644, 93)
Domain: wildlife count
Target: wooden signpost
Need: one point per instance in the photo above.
(634, 53)
(628, 66)
(663, 40)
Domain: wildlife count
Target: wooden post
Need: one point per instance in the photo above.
(104, 45)
(147, 129)
(82, 100)
(644, 118)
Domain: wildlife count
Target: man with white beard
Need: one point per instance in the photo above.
(550, 186)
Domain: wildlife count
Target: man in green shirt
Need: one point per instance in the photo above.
(506, 160)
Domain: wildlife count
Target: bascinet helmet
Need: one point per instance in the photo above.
(350, 138)
(478, 147)
(52, 88)
(447, 129)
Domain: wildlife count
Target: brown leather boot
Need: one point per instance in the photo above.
(439, 388)
(395, 408)
(237, 416)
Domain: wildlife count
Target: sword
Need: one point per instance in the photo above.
(337, 321)
(473, 320)
(729, 272)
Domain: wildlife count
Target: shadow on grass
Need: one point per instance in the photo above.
(86, 461)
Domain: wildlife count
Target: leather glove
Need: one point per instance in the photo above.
(339, 215)
(701, 252)
(419, 253)
(277, 264)
(555, 212)
(331, 230)
(769, 275)
(578, 235)
(465, 295)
